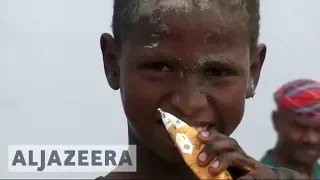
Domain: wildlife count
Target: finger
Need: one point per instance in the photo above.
(213, 149)
(205, 136)
(231, 159)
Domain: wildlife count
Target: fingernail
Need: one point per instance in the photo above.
(199, 129)
(215, 164)
(202, 157)
(205, 134)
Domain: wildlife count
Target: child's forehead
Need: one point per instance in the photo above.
(160, 7)
(148, 7)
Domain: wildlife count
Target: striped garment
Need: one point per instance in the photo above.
(301, 96)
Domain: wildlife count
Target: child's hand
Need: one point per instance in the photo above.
(223, 152)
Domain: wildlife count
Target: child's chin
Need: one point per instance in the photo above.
(171, 156)
(174, 160)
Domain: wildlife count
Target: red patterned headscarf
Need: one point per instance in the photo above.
(301, 96)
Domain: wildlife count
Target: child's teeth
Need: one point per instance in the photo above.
(201, 128)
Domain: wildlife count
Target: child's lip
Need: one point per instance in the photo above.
(198, 128)
(199, 125)
(159, 121)
(201, 128)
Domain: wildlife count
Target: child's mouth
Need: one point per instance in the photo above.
(166, 120)
(160, 122)
(198, 128)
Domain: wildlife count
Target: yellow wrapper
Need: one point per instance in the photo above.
(185, 137)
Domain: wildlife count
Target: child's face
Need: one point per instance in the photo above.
(195, 65)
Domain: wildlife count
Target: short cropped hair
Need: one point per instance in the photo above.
(122, 10)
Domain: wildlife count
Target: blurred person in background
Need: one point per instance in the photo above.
(297, 123)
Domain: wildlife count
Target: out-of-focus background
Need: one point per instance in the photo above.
(53, 89)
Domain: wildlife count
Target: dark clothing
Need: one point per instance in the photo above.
(267, 160)
(281, 173)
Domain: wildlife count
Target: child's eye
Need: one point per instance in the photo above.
(218, 72)
(161, 67)
(157, 66)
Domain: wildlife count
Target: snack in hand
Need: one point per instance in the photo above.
(185, 137)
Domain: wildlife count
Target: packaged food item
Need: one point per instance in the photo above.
(185, 137)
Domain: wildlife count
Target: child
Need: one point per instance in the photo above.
(196, 59)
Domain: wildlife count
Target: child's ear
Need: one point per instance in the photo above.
(274, 118)
(250, 92)
(110, 60)
(257, 60)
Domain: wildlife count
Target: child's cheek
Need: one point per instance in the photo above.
(140, 97)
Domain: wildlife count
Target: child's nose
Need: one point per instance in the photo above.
(189, 102)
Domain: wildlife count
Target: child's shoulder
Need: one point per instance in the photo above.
(115, 175)
(107, 177)
(281, 174)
